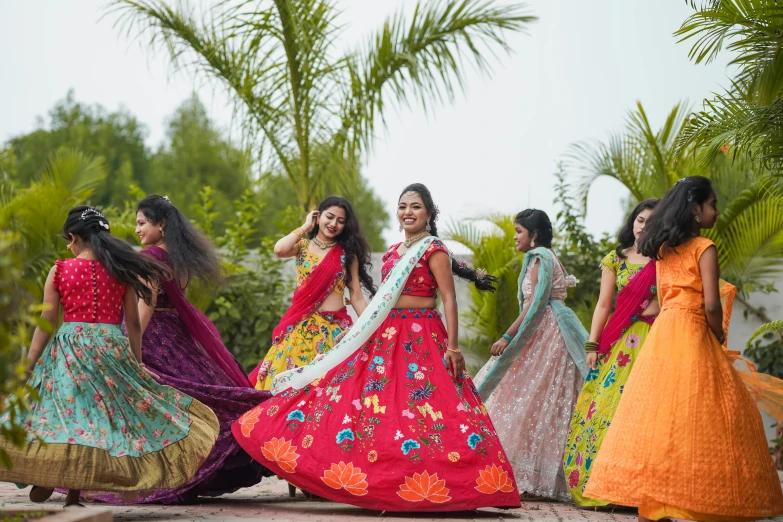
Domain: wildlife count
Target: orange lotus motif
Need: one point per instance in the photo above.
(347, 477)
(281, 451)
(493, 479)
(248, 421)
(424, 486)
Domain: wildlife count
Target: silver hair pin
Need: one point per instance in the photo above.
(90, 212)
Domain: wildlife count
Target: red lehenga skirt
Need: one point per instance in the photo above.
(389, 429)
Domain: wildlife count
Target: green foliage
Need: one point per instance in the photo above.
(490, 240)
(250, 303)
(579, 252)
(117, 138)
(747, 115)
(194, 154)
(68, 178)
(765, 348)
(308, 109)
(16, 325)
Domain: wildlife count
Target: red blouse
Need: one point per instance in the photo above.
(88, 293)
(421, 282)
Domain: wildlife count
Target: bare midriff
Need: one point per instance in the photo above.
(332, 303)
(415, 301)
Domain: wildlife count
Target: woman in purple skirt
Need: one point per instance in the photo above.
(183, 347)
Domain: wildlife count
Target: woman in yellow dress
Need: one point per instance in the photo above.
(331, 254)
(687, 440)
(612, 348)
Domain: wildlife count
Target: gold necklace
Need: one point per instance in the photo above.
(415, 239)
(83, 253)
(322, 245)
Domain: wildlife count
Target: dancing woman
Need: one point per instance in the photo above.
(687, 440)
(612, 348)
(331, 253)
(184, 348)
(532, 382)
(100, 420)
(388, 419)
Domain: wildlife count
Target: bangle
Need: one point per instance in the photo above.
(455, 350)
(507, 337)
(591, 346)
(299, 232)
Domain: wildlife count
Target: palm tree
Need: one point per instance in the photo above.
(314, 109)
(749, 231)
(749, 114)
(490, 241)
(35, 214)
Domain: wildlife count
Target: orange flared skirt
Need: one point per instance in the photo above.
(687, 440)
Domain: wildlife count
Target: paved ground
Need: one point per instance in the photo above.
(269, 501)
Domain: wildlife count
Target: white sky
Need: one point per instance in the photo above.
(574, 77)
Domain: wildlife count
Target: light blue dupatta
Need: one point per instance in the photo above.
(573, 332)
(372, 318)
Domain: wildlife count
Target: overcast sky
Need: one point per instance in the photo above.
(574, 77)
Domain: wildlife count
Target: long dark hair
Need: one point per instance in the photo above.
(625, 237)
(191, 254)
(536, 222)
(120, 259)
(352, 240)
(671, 224)
(462, 270)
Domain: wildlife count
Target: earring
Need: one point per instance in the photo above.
(429, 228)
(400, 227)
(532, 244)
(698, 219)
(162, 233)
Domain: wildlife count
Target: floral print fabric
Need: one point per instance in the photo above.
(595, 410)
(388, 429)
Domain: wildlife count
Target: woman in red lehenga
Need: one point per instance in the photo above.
(389, 419)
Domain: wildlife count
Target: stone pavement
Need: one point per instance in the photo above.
(269, 501)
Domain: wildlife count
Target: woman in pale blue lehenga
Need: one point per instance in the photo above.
(532, 382)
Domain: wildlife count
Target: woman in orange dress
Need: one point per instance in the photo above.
(687, 440)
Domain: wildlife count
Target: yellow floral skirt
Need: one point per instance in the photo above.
(313, 336)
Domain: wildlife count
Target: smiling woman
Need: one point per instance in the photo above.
(388, 419)
(331, 254)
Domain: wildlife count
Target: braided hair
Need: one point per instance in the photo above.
(482, 280)
(121, 261)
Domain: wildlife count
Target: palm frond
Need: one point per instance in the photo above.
(424, 59)
(773, 327)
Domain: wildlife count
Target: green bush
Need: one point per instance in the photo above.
(16, 325)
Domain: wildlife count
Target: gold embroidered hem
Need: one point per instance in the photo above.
(74, 466)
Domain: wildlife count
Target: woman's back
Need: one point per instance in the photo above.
(679, 278)
(87, 292)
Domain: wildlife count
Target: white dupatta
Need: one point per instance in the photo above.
(372, 318)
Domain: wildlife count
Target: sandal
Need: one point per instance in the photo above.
(40, 494)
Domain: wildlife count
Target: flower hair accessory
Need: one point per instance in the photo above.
(104, 224)
(481, 274)
(167, 198)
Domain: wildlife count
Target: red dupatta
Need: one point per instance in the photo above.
(312, 292)
(308, 297)
(632, 300)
